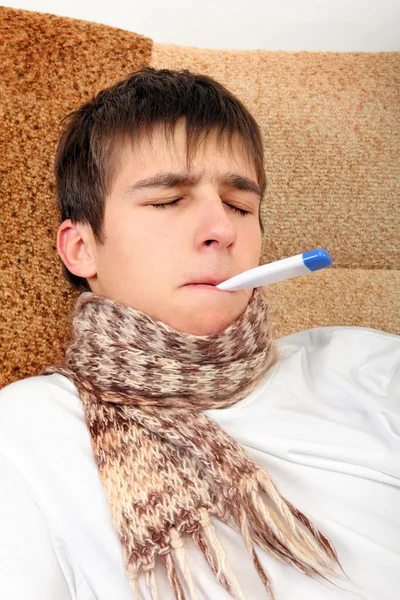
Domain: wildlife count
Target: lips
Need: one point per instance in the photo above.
(208, 281)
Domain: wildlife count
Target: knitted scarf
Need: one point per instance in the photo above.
(166, 467)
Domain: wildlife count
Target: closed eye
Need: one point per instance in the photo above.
(174, 202)
(166, 204)
(239, 210)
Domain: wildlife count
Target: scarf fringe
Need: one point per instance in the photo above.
(223, 568)
(245, 531)
(135, 587)
(178, 546)
(173, 576)
(310, 551)
(152, 585)
(203, 545)
(288, 545)
(218, 561)
(211, 547)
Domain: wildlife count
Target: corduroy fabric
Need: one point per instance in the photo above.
(166, 467)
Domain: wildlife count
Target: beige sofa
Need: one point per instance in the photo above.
(330, 122)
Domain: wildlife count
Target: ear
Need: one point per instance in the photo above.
(75, 245)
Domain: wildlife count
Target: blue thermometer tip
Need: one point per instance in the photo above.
(317, 259)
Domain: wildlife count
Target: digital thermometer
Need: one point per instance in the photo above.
(301, 264)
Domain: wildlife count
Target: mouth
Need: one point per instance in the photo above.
(210, 281)
(208, 285)
(205, 283)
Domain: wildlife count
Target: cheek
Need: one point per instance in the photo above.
(256, 236)
(252, 241)
(136, 239)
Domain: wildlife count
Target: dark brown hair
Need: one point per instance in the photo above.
(86, 155)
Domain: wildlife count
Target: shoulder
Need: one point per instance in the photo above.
(35, 393)
(342, 387)
(363, 338)
(33, 564)
(32, 410)
(370, 358)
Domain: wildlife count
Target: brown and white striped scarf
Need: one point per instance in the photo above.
(166, 467)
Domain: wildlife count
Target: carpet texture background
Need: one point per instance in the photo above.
(331, 128)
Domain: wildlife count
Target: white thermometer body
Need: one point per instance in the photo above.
(301, 264)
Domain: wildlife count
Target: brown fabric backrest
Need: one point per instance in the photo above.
(330, 123)
(51, 66)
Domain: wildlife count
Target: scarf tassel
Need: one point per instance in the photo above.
(224, 571)
(151, 581)
(256, 522)
(211, 547)
(206, 550)
(309, 551)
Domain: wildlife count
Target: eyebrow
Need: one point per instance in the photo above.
(171, 180)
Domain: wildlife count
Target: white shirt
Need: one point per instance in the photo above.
(324, 422)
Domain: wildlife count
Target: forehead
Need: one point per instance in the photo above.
(211, 151)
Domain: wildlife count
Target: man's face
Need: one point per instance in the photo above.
(154, 258)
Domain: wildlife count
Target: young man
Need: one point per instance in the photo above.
(178, 451)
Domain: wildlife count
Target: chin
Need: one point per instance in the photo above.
(203, 313)
(207, 323)
(206, 330)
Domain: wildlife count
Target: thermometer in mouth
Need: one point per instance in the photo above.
(301, 264)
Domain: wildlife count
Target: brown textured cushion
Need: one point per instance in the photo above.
(331, 128)
(51, 65)
(330, 122)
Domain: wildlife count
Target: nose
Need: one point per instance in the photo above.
(216, 225)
